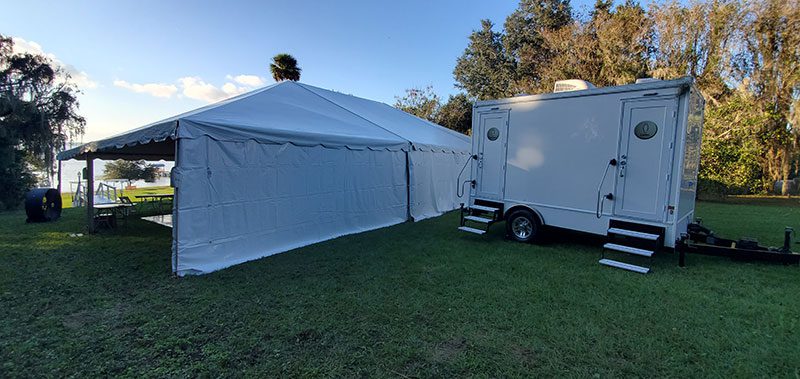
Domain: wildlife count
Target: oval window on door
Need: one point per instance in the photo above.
(493, 134)
(645, 130)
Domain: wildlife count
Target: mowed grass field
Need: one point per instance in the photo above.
(413, 300)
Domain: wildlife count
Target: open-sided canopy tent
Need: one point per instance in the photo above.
(289, 165)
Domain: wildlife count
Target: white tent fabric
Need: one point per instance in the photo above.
(239, 201)
(289, 165)
(436, 153)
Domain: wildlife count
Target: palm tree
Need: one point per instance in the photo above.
(284, 67)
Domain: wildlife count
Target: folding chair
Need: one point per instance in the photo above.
(127, 211)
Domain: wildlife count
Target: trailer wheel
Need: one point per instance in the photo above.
(523, 226)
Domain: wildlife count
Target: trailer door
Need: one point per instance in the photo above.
(646, 146)
(492, 141)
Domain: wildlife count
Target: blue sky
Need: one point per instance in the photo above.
(137, 62)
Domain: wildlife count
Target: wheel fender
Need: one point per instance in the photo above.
(517, 207)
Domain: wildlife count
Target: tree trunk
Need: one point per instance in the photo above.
(786, 168)
(774, 165)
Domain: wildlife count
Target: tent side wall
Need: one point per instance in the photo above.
(239, 201)
(433, 180)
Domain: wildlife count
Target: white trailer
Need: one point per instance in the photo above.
(613, 161)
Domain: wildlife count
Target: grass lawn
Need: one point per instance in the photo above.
(414, 300)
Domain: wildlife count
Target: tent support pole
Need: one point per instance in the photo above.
(89, 193)
(408, 188)
(59, 176)
(175, 192)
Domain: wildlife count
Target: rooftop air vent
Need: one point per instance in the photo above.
(572, 85)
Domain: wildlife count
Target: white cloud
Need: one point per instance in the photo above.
(247, 80)
(152, 89)
(77, 77)
(194, 87)
(229, 87)
(232, 90)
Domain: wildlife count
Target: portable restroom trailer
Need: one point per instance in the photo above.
(614, 161)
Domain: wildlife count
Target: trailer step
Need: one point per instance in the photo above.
(484, 208)
(471, 230)
(628, 249)
(634, 234)
(624, 266)
(478, 219)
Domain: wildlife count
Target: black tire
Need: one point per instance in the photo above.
(523, 226)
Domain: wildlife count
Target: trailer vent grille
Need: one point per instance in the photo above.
(572, 85)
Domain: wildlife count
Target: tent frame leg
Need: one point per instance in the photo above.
(90, 193)
(175, 199)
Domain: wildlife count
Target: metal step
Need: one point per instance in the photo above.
(484, 208)
(628, 249)
(478, 219)
(624, 266)
(471, 230)
(633, 233)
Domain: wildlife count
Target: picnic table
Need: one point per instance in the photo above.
(156, 200)
(107, 213)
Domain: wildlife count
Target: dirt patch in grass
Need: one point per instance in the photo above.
(308, 336)
(449, 349)
(78, 320)
(525, 356)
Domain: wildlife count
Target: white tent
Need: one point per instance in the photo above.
(289, 165)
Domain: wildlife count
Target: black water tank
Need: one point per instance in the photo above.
(43, 204)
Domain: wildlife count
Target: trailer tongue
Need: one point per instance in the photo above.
(701, 240)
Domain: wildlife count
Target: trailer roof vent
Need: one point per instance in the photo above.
(572, 85)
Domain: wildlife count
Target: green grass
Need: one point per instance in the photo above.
(414, 300)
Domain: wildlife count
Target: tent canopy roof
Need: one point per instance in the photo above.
(285, 112)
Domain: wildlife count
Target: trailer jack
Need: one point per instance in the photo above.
(701, 240)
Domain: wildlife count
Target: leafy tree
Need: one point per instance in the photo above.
(698, 40)
(772, 62)
(524, 43)
(456, 114)
(421, 102)
(732, 151)
(624, 38)
(575, 55)
(131, 170)
(38, 114)
(611, 48)
(284, 67)
(484, 70)
(15, 177)
(602, 7)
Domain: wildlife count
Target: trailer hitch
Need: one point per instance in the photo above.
(787, 239)
(702, 240)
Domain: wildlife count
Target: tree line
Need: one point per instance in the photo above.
(744, 55)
